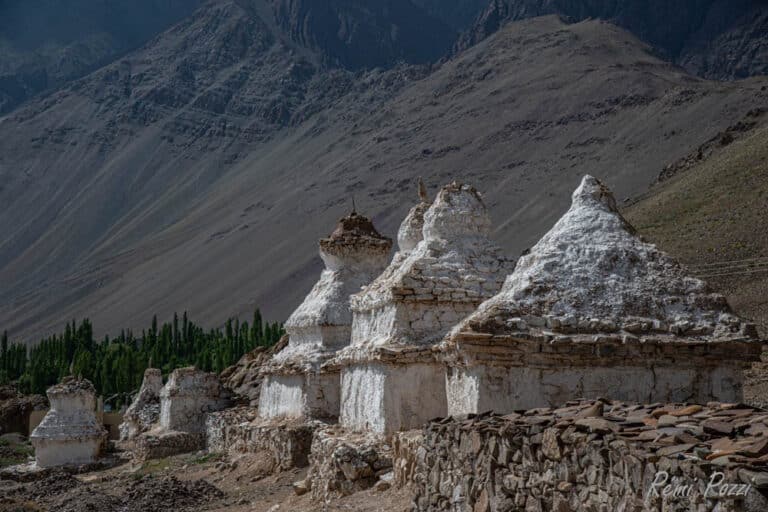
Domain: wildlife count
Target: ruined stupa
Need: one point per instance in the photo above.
(593, 311)
(187, 397)
(390, 378)
(144, 411)
(294, 385)
(69, 434)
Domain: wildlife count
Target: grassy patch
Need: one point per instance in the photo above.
(208, 457)
(152, 467)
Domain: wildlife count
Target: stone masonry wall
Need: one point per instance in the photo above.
(239, 430)
(594, 457)
(343, 463)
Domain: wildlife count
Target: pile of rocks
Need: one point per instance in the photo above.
(244, 378)
(343, 463)
(597, 456)
(15, 409)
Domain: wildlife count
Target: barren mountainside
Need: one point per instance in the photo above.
(718, 39)
(44, 44)
(198, 172)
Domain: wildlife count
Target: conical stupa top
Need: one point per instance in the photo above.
(592, 273)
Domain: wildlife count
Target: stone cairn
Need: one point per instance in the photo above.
(390, 379)
(295, 385)
(70, 434)
(594, 311)
(144, 411)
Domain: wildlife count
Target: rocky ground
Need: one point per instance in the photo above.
(186, 482)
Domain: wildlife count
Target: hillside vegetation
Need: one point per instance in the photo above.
(714, 217)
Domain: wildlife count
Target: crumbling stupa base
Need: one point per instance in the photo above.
(73, 452)
(287, 443)
(343, 463)
(159, 444)
(309, 395)
(387, 398)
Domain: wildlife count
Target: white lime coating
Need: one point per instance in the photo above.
(187, 397)
(69, 434)
(427, 290)
(592, 273)
(294, 384)
(321, 325)
(390, 382)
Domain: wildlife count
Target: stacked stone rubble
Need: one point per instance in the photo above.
(391, 380)
(593, 311)
(597, 456)
(70, 434)
(144, 411)
(295, 386)
(343, 463)
(286, 444)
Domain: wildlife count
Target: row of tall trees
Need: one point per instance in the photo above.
(116, 365)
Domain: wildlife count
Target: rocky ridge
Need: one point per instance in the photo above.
(717, 39)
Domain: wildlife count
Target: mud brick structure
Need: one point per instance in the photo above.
(70, 434)
(390, 378)
(295, 386)
(593, 311)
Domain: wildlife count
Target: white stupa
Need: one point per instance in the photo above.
(390, 378)
(593, 311)
(294, 384)
(70, 434)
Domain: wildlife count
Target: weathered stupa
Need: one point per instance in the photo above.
(144, 411)
(593, 311)
(294, 384)
(70, 434)
(187, 397)
(390, 377)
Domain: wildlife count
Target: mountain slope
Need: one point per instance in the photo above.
(712, 216)
(360, 34)
(47, 43)
(718, 39)
(198, 174)
(458, 14)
